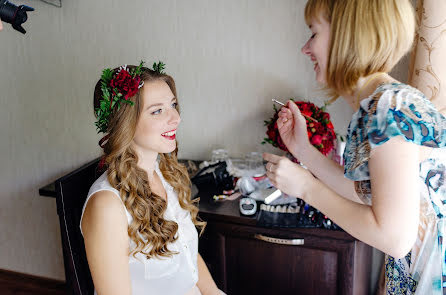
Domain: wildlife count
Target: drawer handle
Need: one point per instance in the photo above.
(294, 242)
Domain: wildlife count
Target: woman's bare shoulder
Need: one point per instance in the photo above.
(104, 210)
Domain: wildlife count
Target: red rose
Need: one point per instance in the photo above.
(133, 87)
(316, 140)
(307, 113)
(305, 108)
(125, 84)
(274, 135)
(327, 146)
(319, 127)
(320, 132)
(271, 133)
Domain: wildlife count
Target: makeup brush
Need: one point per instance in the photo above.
(306, 116)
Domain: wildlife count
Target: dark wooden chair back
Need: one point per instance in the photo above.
(71, 193)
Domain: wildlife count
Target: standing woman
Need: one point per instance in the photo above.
(392, 191)
(138, 221)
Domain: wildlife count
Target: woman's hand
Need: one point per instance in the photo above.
(293, 129)
(288, 176)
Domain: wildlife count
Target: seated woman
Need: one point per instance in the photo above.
(138, 221)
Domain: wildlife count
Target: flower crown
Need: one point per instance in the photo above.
(118, 87)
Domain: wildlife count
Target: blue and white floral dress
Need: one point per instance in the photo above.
(397, 109)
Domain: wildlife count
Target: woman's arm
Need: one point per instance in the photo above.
(104, 226)
(205, 282)
(293, 131)
(330, 173)
(391, 223)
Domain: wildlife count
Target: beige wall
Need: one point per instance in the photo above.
(229, 59)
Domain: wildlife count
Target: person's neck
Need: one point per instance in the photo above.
(365, 87)
(147, 161)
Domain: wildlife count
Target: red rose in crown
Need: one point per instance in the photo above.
(125, 84)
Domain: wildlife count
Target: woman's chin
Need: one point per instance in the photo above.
(170, 149)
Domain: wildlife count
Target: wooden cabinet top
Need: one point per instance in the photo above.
(228, 212)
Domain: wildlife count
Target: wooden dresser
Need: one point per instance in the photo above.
(246, 259)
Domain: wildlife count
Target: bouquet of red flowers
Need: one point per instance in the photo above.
(319, 128)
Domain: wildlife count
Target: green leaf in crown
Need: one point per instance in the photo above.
(159, 67)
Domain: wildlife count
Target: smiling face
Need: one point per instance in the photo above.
(156, 128)
(317, 47)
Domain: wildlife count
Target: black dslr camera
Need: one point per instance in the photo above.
(13, 14)
(213, 179)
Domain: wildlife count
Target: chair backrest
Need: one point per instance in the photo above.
(71, 193)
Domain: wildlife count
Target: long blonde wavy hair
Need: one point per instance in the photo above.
(150, 232)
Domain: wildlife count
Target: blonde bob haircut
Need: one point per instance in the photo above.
(367, 36)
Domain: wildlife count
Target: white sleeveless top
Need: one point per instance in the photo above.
(175, 275)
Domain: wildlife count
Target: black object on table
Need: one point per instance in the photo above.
(298, 214)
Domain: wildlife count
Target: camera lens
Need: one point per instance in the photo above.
(15, 15)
